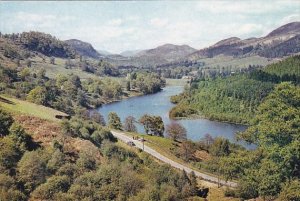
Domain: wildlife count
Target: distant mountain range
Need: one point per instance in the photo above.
(282, 41)
(104, 52)
(130, 53)
(168, 52)
(156, 56)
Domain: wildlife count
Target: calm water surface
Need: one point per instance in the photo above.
(159, 104)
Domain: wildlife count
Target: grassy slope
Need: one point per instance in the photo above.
(59, 68)
(164, 147)
(31, 109)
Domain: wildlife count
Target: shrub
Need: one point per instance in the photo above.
(5, 122)
(9, 153)
(32, 169)
(53, 185)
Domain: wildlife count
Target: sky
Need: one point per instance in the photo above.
(116, 26)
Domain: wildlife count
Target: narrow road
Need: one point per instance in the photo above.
(123, 137)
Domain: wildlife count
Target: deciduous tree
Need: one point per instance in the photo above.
(176, 131)
(38, 95)
(114, 121)
(153, 125)
(129, 124)
(5, 122)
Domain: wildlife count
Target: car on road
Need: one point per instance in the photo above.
(130, 143)
(141, 139)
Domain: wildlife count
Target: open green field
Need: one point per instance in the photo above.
(59, 68)
(23, 107)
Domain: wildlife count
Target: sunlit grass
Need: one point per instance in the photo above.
(59, 68)
(31, 109)
(165, 146)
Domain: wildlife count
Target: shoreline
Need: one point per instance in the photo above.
(197, 117)
(137, 94)
(192, 117)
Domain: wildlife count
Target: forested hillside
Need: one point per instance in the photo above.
(287, 70)
(234, 98)
(30, 69)
(81, 162)
(42, 43)
(69, 93)
(290, 66)
(272, 170)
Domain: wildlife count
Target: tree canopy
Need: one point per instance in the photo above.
(275, 130)
(153, 125)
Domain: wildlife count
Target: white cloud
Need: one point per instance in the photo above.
(106, 37)
(115, 22)
(159, 22)
(290, 18)
(39, 21)
(241, 29)
(244, 7)
(133, 18)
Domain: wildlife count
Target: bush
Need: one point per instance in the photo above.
(8, 189)
(12, 195)
(53, 185)
(56, 161)
(38, 95)
(86, 161)
(229, 192)
(9, 153)
(290, 191)
(21, 138)
(32, 169)
(5, 122)
(68, 169)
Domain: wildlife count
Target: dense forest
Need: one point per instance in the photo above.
(272, 169)
(234, 98)
(271, 110)
(287, 70)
